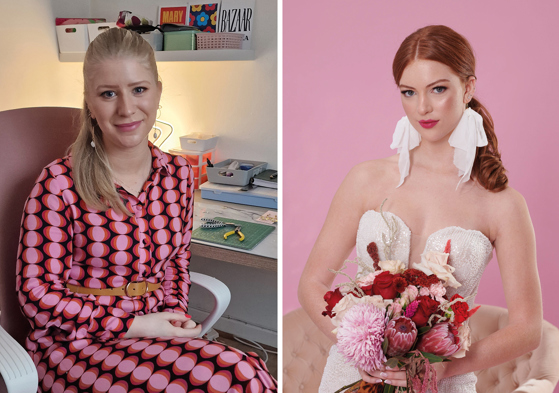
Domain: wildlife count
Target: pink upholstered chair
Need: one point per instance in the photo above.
(305, 349)
(31, 138)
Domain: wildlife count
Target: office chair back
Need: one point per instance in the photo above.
(30, 138)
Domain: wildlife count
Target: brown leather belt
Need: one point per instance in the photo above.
(133, 288)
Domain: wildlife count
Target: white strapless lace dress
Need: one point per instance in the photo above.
(470, 253)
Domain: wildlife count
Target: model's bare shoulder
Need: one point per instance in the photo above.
(375, 172)
(507, 208)
(367, 181)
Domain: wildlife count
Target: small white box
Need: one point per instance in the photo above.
(94, 29)
(155, 39)
(72, 38)
(198, 141)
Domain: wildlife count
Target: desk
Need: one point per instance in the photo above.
(263, 256)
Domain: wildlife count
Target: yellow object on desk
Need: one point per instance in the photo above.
(237, 230)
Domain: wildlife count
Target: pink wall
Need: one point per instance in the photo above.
(341, 106)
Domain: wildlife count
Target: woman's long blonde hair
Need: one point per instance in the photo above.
(91, 170)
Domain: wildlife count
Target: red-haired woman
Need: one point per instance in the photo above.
(446, 183)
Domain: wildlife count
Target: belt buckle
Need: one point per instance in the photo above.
(135, 282)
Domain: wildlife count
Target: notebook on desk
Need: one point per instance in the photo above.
(267, 178)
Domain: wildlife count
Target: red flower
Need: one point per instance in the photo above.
(400, 283)
(425, 309)
(414, 276)
(332, 298)
(430, 280)
(368, 290)
(372, 250)
(447, 247)
(461, 310)
(384, 286)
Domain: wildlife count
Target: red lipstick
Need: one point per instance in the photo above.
(129, 126)
(428, 123)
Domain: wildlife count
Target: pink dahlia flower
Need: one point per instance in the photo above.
(441, 340)
(360, 336)
(401, 334)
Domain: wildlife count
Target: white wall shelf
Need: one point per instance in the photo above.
(180, 55)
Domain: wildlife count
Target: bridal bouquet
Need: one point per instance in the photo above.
(393, 316)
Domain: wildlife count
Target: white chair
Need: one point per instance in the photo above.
(30, 139)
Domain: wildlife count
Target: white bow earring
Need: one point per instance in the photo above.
(405, 138)
(466, 137)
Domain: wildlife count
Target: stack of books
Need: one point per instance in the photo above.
(267, 178)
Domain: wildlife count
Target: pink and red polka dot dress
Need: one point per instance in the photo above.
(77, 340)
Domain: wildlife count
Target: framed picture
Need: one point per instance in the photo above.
(173, 14)
(203, 15)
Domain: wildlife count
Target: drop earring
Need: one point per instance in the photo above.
(154, 133)
(92, 143)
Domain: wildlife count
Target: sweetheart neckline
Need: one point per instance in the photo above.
(437, 231)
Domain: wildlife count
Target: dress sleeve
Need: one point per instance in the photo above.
(177, 277)
(44, 263)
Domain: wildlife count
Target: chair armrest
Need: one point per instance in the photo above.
(16, 367)
(221, 295)
(535, 386)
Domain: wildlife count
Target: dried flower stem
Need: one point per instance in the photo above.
(351, 284)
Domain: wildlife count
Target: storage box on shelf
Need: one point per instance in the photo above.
(219, 40)
(198, 141)
(236, 177)
(94, 29)
(72, 38)
(155, 39)
(198, 160)
(179, 40)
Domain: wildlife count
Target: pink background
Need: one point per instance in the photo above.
(341, 105)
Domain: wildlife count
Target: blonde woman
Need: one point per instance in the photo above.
(103, 262)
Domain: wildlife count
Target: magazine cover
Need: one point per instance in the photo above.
(237, 16)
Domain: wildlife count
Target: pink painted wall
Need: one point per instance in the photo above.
(341, 105)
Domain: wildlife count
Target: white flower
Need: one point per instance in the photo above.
(394, 267)
(342, 307)
(433, 262)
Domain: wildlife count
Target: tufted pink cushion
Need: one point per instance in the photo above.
(537, 371)
(305, 350)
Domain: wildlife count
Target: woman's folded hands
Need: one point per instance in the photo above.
(163, 324)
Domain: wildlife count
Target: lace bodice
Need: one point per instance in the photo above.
(470, 253)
